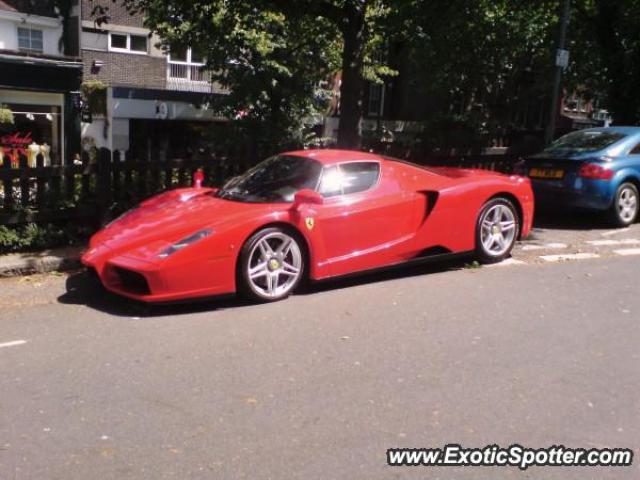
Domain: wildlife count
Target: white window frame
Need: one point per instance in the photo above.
(189, 63)
(128, 48)
(30, 29)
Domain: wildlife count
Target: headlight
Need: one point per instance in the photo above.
(186, 241)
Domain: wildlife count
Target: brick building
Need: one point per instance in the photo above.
(157, 103)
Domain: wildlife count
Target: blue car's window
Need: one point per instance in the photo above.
(277, 179)
(585, 141)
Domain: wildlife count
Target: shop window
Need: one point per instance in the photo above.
(30, 40)
(36, 130)
(121, 42)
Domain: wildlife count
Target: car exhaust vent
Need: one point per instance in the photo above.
(133, 282)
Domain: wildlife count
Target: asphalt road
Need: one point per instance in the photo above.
(320, 385)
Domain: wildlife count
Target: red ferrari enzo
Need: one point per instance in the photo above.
(312, 214)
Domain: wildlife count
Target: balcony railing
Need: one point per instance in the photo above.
(188, 77)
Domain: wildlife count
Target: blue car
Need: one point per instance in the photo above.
(595, 169)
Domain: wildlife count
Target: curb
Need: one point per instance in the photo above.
(18, 264)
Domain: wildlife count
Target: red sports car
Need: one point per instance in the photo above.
(312, 214)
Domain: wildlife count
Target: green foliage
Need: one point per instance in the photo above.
(94, 92)
(477, 61)
(36, 237)
(272, 55)
(605, 47)
(6, 115)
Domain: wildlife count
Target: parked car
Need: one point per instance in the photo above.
(313, 214)
(595, 169)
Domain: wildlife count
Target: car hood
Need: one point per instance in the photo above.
(173, 218)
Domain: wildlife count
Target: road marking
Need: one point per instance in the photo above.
(604, 243)
(552, 246)
(628, 251)
(506, 263)
(613, 232)
(570, 256)
(13, 344)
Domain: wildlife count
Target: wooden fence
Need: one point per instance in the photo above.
(94, 191)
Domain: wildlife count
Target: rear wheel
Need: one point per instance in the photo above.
(624, 210)
(497, 230)
(271, 265)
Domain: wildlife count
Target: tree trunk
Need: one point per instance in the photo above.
(354, 32)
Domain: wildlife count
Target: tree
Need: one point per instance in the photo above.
(273, 54)
(481, 62)
(606, 47)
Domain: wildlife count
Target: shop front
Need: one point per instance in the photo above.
(158, 125)
(39, 111)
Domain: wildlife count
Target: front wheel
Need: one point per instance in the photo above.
(496, 231)
(624, 210)
(271, 265)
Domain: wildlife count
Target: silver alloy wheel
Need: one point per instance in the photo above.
(627, 204)
(275, 264)
(498, 230)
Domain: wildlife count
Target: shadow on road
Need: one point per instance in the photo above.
(387, 274)
(559, 219)
(84, 289)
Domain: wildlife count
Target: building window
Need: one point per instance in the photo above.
(376, 100)
(122, 42)
(186, 63)
(30, 40)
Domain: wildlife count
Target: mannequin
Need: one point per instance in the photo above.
(32, 155)
(45, 150)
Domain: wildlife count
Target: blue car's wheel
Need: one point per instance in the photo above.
(624, 210)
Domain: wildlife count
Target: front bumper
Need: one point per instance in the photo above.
(161, 282)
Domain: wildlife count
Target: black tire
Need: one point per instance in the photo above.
(483, 254)
(619, 216)
(247, 287)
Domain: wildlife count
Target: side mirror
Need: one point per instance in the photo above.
(307, 196)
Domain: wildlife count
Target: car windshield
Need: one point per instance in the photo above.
(277, 179)
(585, 141)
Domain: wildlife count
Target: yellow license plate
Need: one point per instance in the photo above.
(546, 173)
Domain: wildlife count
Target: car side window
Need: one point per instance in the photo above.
(359, 176)
(635, 150)
(349, 178)
(330, 184)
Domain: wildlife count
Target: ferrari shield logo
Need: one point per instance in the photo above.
(309, 222)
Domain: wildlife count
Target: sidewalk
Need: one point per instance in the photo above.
(27, 263)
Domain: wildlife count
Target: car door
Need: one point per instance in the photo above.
(366, 218)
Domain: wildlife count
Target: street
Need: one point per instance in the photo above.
(320, 385)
